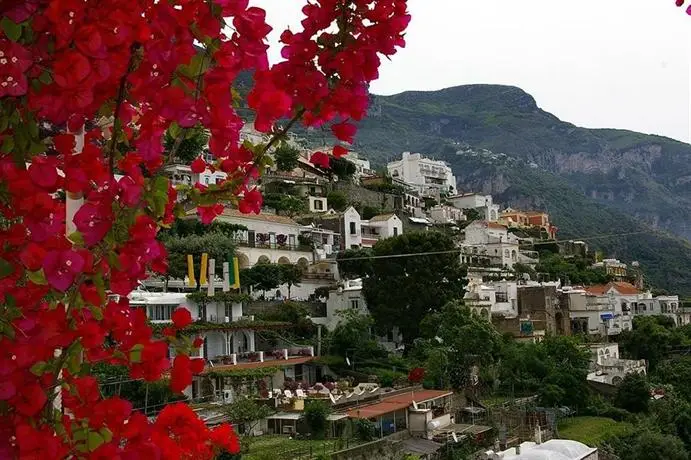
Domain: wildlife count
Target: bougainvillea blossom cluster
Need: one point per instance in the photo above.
(88, 90)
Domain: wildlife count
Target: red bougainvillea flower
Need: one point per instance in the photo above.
(43, 173)
(71, 69)
(320, 159)
(181, 374)
(30, 400)
(344, 131)
(339, 151)
(680, 2)
(112, 79)
(251, 202)
(198, 166)
(32, 256)
(226, 438)
(416, 375)
(61, 268)
(94, 220)
(181, 317)
(207, 214)
(197, 365)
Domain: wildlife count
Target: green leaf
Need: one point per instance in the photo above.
(6, 268)
(97, 312)
(174, 130)
(199, 63)
(79, 434)
(136, 353)
(77, 238)
(8, 145)
(106, 433)
(39, 368)
(12, 30)
(33, 129)
(158, 197)
(36, 148)
(97, 279)
(45, 78)
(37, 277)
(94, 440)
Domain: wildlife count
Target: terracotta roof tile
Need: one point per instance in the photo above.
(621, 287)
(394, 403)
(382, 217)
(496, 226)
(235, 214)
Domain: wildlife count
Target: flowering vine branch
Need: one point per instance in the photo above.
(67, 65)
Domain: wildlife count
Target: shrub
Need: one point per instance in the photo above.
(315, 416)
(364, 430)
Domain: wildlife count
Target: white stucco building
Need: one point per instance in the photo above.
(429, 177)
(593, 311)
(182, 175)
(363, 168)
(606, 366)
(483, 203)
(349, 296)
(444, 214)
(318, 204)
(499, 298)
(489, 241)
(270, 238)
(359, 233)
(380, 227)
(230, 343)
(159, 307)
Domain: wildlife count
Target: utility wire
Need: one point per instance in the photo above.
(459, 250)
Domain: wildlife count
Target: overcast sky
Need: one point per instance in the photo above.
(595, 63)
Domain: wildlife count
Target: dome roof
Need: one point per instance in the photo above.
(554, 449)
(538, 454)
(572, 449)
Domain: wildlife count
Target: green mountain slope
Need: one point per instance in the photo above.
(593, 182)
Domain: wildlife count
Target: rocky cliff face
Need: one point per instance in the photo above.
(648, 177)
(499, 141)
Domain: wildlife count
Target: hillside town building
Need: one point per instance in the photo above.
(484, 204)
(429, 177)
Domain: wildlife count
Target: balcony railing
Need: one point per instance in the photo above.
(319, 276)
(281, 354)
(269, 245)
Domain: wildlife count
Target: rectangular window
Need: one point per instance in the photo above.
(352, 228)
(355, 304)
(502, 297)
(318, 205)
(161, 312)
(395, 231)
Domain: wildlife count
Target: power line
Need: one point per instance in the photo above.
(459, 250)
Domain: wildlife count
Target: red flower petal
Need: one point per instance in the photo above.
(340, 151)
(181, 317)
(320, 159)
(198, 166)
